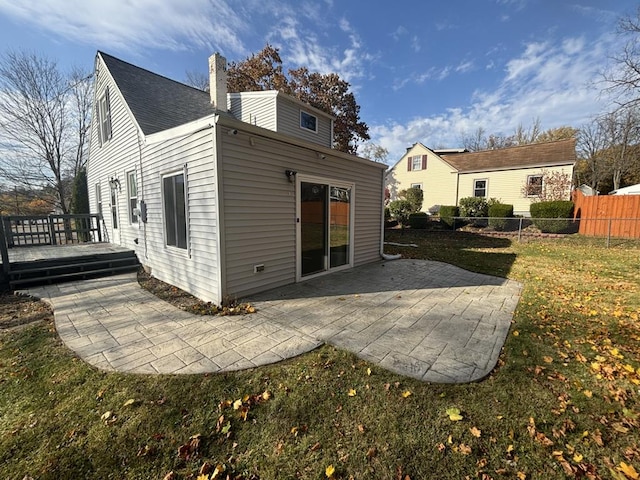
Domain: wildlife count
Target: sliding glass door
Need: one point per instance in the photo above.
(325, 226)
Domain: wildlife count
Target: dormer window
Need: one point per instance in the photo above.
(308, 121)
(104, 117)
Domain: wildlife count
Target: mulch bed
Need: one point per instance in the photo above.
(17, 310)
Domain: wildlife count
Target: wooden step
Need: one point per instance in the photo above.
(62, 269)
(79, 275)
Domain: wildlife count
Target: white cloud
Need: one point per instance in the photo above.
(301, 46)
(135, 26)
(553, 82)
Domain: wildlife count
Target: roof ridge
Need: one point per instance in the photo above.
(515, 147)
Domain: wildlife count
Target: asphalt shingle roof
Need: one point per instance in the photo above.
(560, 152)
(157, 102)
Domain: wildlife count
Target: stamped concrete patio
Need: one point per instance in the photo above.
(427, 320)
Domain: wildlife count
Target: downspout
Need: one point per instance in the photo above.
(385, 256)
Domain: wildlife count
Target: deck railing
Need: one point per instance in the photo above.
(33, 230)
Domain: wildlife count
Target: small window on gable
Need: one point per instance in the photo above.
(479, 188)
(104, 117)
(132, 191)
(308, 121)
(416, 185)
(534, 185)
(417, 162)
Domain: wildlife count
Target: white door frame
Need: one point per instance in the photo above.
(330, 183)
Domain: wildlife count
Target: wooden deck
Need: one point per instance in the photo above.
(47, 264)
(52, 252)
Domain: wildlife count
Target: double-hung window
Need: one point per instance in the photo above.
(417, 162)
(534, 185)
(480, 188)
(132, 192)
(175, 210)
(99, 198)
(104, 117)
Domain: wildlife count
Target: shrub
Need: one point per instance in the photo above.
(498, 214)
(400, 210)
(419, 220)
(552, 217)
(387, 214)
(474, 207)
(414, 196)
(447, 212)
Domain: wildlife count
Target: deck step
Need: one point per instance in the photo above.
(58, 270)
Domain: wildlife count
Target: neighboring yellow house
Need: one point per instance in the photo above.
(446, 176)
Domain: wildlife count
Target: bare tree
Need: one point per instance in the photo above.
(622, 130)
(197, 80)
(524, 136)
(475, 141)
(44, 123)
(623, 78)
(374, 152)
(591, 168)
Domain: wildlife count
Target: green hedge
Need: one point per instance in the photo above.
(447, 212)
(400, 210)
(418, 221)
(544, 215)
(473, 207)
(498, 214)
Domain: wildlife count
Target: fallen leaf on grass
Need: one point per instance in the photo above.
(406, 394)
(131, 401)
(352, 392)
(465, 449)
(475, 432)
(547, 359)
(190, 449)
(629, 471)
(454, 414)
(329, 471)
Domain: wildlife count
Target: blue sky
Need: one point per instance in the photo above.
(429, 71)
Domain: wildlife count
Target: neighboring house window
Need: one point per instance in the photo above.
(417, 162)
(479, 188)
(99, 198)
(132, 190)
(104, 117)
(534, 185)
(175, 211)
(416, 185)
(308, 121)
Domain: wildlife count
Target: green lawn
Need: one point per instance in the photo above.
(562, 403)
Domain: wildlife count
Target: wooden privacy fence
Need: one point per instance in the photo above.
(608, 215)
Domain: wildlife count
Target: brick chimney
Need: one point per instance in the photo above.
(218, 81)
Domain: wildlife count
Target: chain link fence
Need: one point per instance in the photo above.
(606, 228)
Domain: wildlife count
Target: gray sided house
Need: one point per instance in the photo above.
(226, 194)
